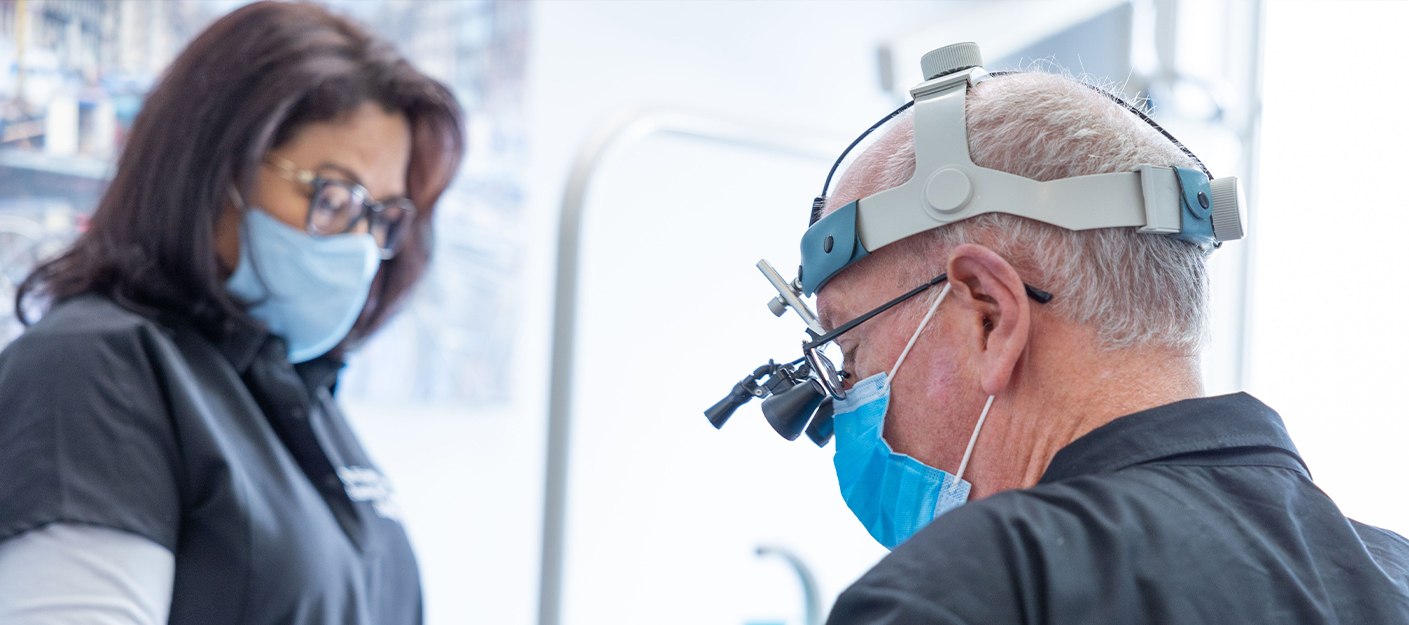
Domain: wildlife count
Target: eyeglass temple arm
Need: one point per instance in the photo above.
(288, 170)
(843, 328)
(1038, 295)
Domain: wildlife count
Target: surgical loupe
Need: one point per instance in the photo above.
(1185, 204)
(792, 400)
(797, 396)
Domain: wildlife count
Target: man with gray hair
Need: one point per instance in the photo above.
(1055, 378)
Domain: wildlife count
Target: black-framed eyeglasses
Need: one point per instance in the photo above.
(831, 378)
(339, 206)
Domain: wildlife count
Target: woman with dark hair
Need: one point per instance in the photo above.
(170, 446)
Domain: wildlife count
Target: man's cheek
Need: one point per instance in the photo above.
(902, 420)
(920, 418)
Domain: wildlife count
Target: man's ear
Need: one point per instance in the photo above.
(994, 293)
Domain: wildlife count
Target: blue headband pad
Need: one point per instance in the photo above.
(1195, 197)
(829, 246)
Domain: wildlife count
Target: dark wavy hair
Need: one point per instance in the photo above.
(240, 89)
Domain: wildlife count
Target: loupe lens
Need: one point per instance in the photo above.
(820, 359)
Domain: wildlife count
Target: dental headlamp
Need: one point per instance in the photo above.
(1181, 203)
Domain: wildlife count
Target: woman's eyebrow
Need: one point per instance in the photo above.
(346, 171)
(353, 177)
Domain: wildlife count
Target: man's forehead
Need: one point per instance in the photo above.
(835, 299)
(828, 308)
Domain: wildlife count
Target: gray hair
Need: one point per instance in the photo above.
(1134, 289)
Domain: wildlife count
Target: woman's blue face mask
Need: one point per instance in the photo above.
(308, 290)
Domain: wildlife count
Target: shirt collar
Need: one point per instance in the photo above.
(245, 340)
(242, 341)
(321, 372)
(1226, 422)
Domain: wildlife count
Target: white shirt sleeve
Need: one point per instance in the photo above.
(71, 574)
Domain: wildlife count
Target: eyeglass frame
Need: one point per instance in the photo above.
(291, 171)
(826, 373)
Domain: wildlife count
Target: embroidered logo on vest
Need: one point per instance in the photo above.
(367, 484)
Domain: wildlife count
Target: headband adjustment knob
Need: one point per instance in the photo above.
(950, 59)
(1228, 202)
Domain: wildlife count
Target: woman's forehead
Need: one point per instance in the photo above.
(367, 144)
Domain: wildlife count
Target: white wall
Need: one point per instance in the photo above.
(1327, 321)
(470, 482)
(664, 512)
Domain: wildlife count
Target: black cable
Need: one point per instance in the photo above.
(821, 200)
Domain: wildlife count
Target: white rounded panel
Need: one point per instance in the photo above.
(948, 191)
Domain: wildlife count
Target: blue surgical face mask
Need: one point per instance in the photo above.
(892, 494)
(308, 290)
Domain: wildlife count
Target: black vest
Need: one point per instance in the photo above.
(237, 461)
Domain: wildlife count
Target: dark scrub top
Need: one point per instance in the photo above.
(227, 455)
(1195, 512)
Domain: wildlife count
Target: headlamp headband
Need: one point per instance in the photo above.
(947, 186)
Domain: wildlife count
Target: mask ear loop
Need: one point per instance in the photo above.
(923, 322)
(964, 464)
(246, 241)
